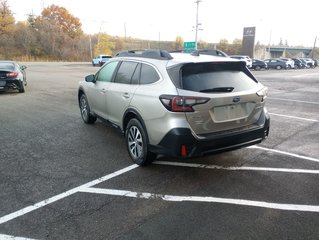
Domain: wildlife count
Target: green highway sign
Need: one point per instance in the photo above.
(189, 46)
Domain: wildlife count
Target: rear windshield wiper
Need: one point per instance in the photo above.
(218, 89)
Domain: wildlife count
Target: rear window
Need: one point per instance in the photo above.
(7, 66)
(215, 78)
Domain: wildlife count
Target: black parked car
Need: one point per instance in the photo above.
(298, 63)
(276, 63)
(12, 76)
(258, 64)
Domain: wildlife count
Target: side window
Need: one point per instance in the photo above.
(125, 72)
(106, 73)
(148, 74)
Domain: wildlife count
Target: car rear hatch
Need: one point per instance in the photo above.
(223, 96)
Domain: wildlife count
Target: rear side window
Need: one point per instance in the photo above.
(125, 72)
(148, 74)
(215, 78)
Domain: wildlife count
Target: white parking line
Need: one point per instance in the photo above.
(194, 165)
(8, 237)
(299, 118)
(172, 198)
(63, 195)
(85, 187)
(292, 100)
(285, 153)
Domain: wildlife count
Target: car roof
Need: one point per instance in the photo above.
(160, 57)
(179, 58)
(7, 61)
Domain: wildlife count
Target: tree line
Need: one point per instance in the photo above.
(56, 35)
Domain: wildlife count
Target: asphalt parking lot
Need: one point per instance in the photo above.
(62, 179)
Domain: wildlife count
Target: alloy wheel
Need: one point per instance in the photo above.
(135, 142)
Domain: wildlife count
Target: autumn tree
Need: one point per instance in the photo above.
(179, 43)
(104, 45)
(203, 45)
(6, 30)
(61, 17)
(236, 47)
(57, 33)
(119, 44)
(223, 45)
(6, 18)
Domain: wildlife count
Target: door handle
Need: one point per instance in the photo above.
(126, 95)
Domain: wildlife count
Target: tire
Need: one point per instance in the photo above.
(257, 68)
(85, 110)
(21, 89)
(278, 67)
(137, 143)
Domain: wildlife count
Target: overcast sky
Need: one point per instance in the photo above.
(294, 22)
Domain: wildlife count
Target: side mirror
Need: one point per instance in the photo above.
(23, 67)
(90, 78)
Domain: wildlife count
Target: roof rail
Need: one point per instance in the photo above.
(148, 53)
(212, 52)
(195, 53)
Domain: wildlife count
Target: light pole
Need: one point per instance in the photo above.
(197, 24)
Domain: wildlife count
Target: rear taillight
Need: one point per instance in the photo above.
(12, 74)
(263, 93)
(181, 103)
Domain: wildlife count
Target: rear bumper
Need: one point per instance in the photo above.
(180, 142)
(10, 84)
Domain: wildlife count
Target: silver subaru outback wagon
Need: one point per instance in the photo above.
(176, 104)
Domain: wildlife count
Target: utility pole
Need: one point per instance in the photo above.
(269, 55)
(197, 24)
(313, 49)
(90, 41)
(125, 31)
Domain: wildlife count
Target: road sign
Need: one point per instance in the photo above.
(189, 46)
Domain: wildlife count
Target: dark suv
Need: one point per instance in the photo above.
(176, 104)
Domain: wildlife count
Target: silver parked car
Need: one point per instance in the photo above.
(245, 58)
(290, 62)
(100, 60)
(176, 104)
